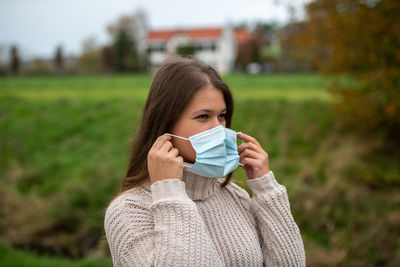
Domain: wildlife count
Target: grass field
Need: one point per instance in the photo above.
(64, 144)
(292, 87)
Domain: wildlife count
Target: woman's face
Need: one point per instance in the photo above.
(206, 110)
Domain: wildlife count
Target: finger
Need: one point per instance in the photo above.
(249, 154)
(244, 146)
(247, 138)
(250, 146)
(250, 162)
(180, 160)
(167, 146)
(160, 141)
(174, 152)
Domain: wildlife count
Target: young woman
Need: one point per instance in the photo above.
(175, 209)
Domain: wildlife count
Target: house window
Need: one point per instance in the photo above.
(197, 47)
(209, 46)
(158, 47)
(213, 46)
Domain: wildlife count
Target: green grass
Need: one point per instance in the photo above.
(14, 258)
(289, 87)
(65, 141)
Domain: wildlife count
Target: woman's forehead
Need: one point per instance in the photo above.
(208, 98)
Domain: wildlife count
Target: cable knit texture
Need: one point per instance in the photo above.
(196, 222)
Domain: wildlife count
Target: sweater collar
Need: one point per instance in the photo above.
(199, 187)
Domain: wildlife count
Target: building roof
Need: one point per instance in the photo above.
(192, 33)
(199, 33)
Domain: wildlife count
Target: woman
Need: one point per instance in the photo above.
(173, 210)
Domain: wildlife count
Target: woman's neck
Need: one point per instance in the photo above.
(198, 187)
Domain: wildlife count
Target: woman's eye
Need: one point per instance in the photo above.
(222, 116)
(202, 116)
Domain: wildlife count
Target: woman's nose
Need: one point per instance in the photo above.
(216, 122)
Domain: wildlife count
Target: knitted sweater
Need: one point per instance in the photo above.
(196, 222)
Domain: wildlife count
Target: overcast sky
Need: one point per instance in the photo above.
(38, 26)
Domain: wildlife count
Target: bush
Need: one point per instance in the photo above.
(358, 40)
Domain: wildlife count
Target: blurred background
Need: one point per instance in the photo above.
(315, 81)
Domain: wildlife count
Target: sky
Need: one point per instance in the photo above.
(37, 27)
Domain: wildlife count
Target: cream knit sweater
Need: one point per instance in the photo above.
(195, 222)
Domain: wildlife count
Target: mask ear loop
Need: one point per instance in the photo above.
(242, 143)
(184, 138)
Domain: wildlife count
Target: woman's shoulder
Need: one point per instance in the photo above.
(126, 214)
(138, 197)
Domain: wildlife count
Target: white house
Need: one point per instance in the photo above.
(214, 46)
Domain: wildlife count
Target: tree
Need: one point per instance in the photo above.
(295, 50)
(356, 42)
(267, 31)
(15, 60)
(250, 50)
(59, 60)
(39, 66)
(127, 34)
(186, 50)
(107, 58)
(2, 63)
(125, 52)
(90, 60)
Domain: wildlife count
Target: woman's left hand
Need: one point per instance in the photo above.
(253, 157)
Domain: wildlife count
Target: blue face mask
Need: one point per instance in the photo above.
(216, 152)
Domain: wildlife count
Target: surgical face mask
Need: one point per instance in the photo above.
(216, 152)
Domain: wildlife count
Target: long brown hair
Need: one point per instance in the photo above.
(176, 81)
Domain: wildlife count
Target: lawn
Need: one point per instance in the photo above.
(64, 144)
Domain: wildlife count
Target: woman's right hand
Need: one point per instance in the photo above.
(163, 160)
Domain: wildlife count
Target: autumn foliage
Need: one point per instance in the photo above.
(356, 43)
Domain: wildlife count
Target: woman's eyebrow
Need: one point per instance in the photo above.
(207, 111)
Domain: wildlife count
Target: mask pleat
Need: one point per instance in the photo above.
(216, 152)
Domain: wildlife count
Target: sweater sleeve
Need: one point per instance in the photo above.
(169, 232)
(281, 240)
